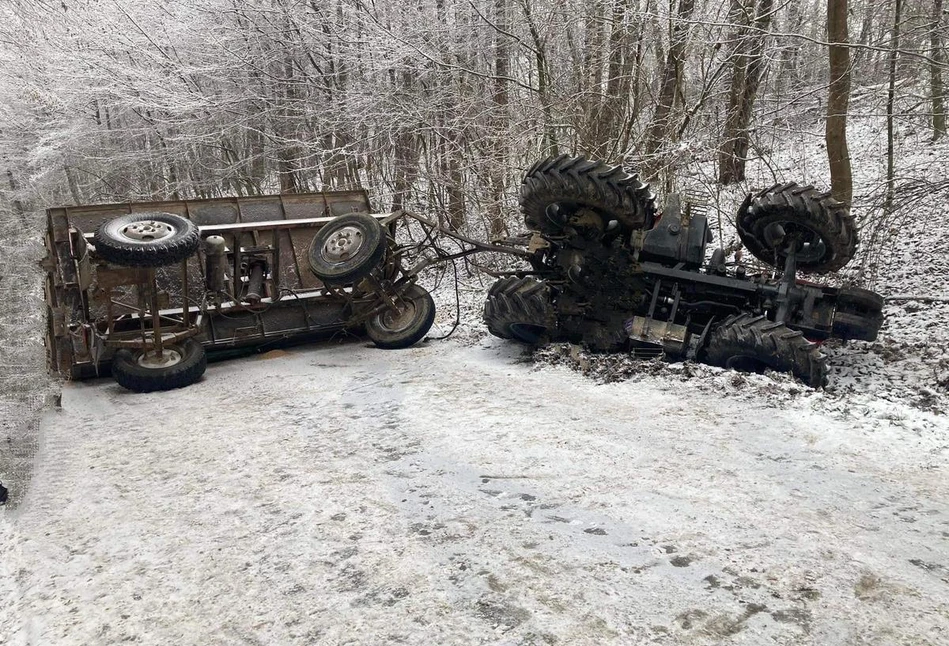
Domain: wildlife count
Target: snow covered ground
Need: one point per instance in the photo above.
(455, 493)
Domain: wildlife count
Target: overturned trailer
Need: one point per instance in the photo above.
(146, 290)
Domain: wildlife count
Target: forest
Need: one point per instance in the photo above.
(460, 487)
(439, 105)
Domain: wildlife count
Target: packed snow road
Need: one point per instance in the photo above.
(453, 494)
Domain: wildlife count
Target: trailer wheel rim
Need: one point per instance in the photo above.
(343, 244)
(152, 361)
(399, 319)
(147, 231)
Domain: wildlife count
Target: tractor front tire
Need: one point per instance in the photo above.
(405, 326)
(822, 228)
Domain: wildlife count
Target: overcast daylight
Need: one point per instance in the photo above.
(450, 322)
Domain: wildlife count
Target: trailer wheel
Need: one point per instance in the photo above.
(394, 329)
(749, 343)
(151, 239)
(573, 191)
(347, 249)
(821, 227)
(520, 309)
(180, 365)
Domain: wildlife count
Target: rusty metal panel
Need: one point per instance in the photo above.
(225, 210)
(109, 277)
(278, 322)
(261, 210)
(300, 241)
(673, 338)
(289, 267)
(217, 212)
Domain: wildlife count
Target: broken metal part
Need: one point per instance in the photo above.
(673, 338)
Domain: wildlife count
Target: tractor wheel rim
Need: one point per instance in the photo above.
(528, 332)
(152, 361)
(147, 231)
(747, 363)
(810, 245)
(343, 244)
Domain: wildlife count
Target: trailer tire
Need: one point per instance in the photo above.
(141, 373)
(557, 191)
(394, 330)
(520, 309)
(149, 239)
(347, 249)
(823, 226)
(749, 343)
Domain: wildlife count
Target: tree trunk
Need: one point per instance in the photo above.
(727, 163)
(866, 31)
(890, 99)
(543, 81)
(670, 81)
(938, 56)
(608, 139)
(838, 101)
(456, 191)
(406, 159)
(498, 159)
(753, 76)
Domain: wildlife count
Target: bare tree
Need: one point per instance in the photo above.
(890, 100)
(936, 65)
(669, 82)
(748, 68)
(838, 101)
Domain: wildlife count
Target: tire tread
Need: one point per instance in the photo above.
(775, 344)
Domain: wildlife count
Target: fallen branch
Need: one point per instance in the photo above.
(924, 299)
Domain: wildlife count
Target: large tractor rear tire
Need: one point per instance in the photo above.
(749, 343)
(563, 191)
(821, 227)
(520, 309)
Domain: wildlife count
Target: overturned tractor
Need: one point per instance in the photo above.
(610, 272)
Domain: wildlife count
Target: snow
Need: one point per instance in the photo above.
(458, 493)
